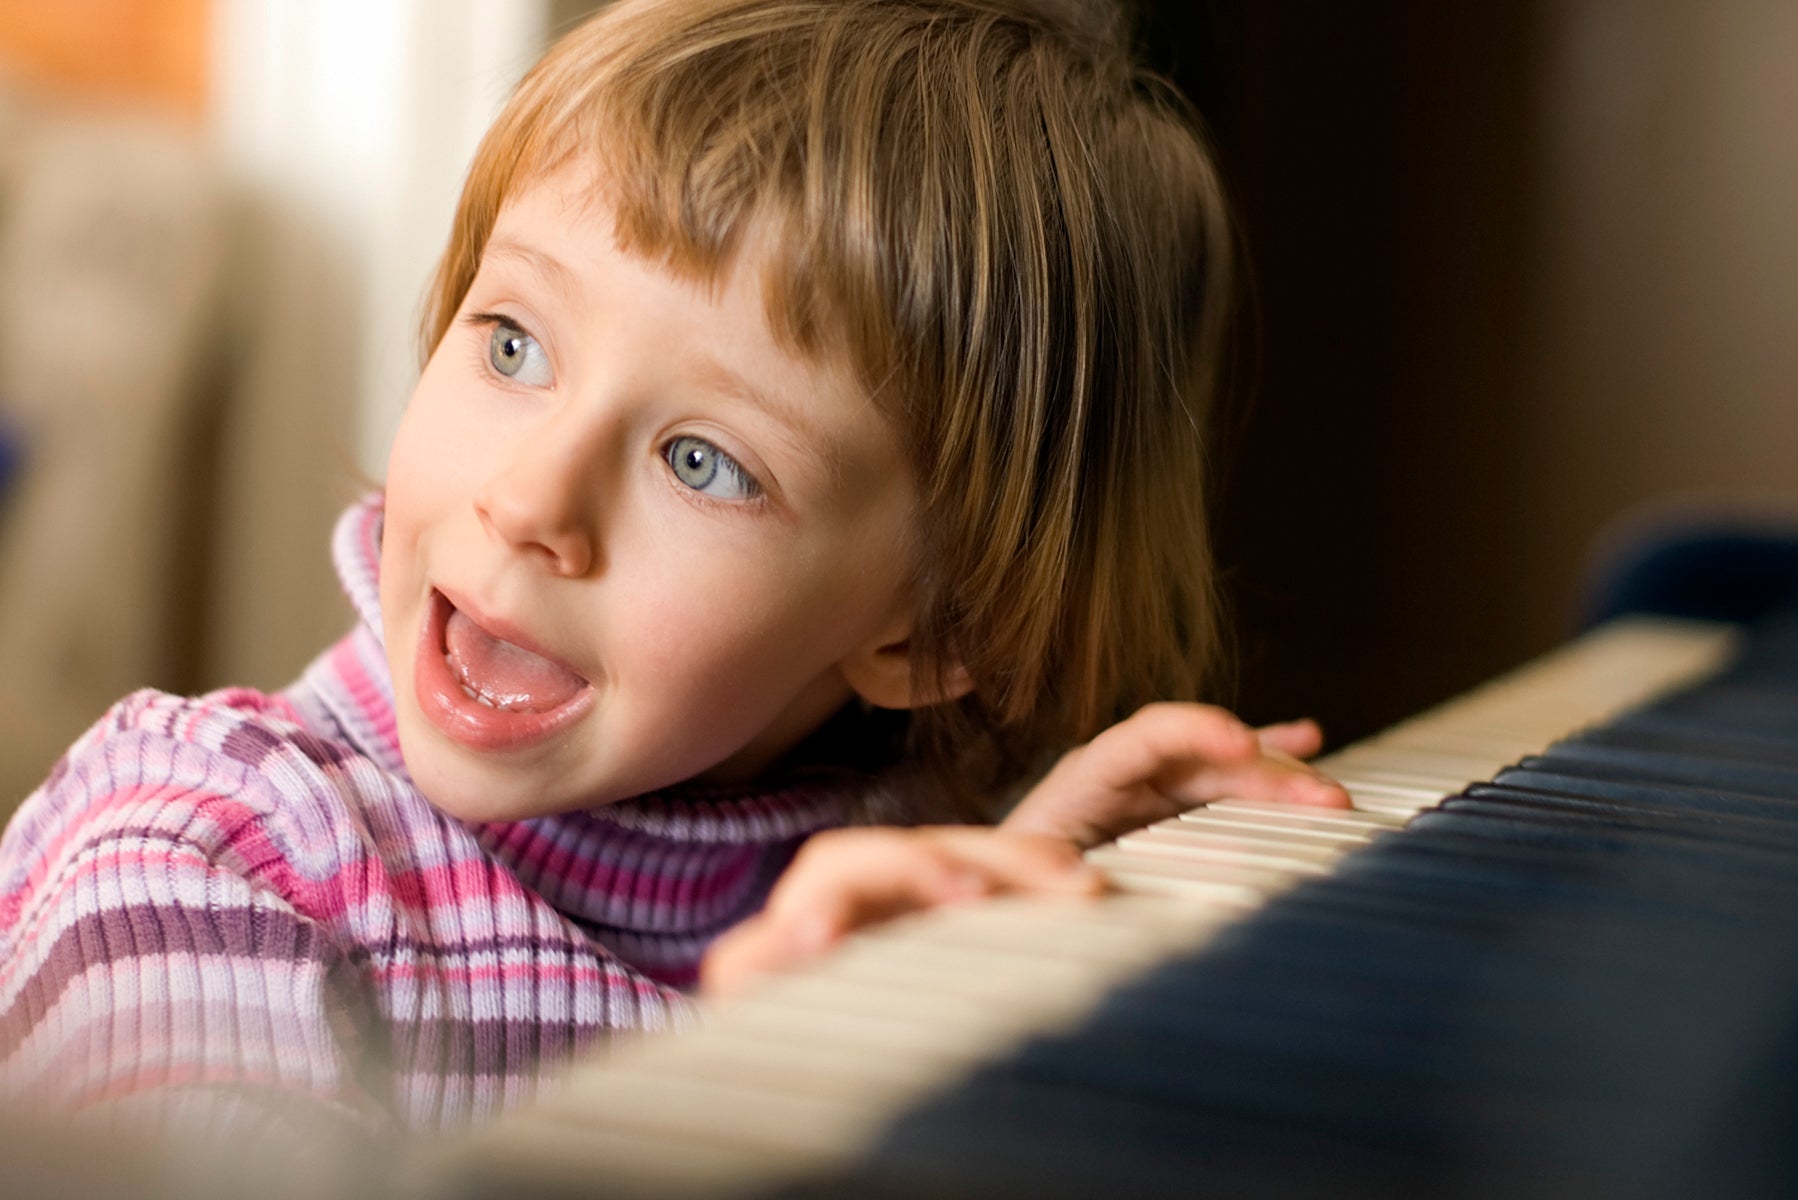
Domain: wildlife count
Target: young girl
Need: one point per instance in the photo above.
(808, 438)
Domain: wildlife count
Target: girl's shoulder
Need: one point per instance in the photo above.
(235, 741)
(235, 777)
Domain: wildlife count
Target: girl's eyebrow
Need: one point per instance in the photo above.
(719, 376)
(550, 268)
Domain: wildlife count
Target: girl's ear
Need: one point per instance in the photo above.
(882, 674)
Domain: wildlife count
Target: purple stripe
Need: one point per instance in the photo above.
(633, 879)
(145, 932)
(149, 930)
(446, 1045)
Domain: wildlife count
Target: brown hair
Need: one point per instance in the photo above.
(1017, 237)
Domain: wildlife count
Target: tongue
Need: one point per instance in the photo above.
(505, 675)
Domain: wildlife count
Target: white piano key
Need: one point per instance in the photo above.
(1300, 831)
(1206, 846)
(1349, 819)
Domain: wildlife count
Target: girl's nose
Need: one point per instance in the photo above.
(544, 505)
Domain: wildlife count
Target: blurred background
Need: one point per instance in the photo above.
(1519, 281)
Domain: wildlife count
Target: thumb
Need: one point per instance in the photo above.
(764, 944)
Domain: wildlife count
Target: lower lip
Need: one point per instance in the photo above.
(468, 721)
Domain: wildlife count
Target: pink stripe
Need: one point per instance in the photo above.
(103, 864)
(367, 692)
(123, 861)
(459, 885)
(91, 821)
(469, 887)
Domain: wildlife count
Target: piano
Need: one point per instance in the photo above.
(1552, 951)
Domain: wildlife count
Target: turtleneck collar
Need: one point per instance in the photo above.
(686, 860)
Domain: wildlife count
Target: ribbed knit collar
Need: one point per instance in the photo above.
(683, 861)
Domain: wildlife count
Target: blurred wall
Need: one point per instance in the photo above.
(1518, 271)
(1665, 367)
(127, 280)
(217, 218)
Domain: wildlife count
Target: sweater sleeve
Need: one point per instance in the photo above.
(147, 985)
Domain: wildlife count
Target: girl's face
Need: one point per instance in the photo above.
(630, 540)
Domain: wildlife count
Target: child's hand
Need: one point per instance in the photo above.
(1166, 759)
(845, 879)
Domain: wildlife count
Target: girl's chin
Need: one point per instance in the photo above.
(469, 793)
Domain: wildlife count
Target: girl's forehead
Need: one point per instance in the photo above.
(577, 209)
(795, 268)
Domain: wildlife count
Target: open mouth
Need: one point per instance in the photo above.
(487, 691)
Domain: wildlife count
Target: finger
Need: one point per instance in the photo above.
(757, 947)
(1135, 750)
(1107, 786)
(1019, 862)
(1275, 776)
(838, 882)
(1301, 739)
(1193, 754)
(851, 878)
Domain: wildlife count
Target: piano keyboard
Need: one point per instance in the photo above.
(1479, 980)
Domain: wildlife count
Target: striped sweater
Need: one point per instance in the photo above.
(237, 911)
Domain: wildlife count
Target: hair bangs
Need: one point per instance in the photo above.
(707, 145)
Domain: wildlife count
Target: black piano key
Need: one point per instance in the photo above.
(1700, 742)
(1671, 766)
(1522, 869)
(1616, 838)
(1575, 812)
(1603, 763)
(1748, 716)
(1623, 791)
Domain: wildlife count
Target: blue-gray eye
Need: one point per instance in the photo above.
(709, 470)
(516, 355)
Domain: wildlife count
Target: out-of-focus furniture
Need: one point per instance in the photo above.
(167, 370)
